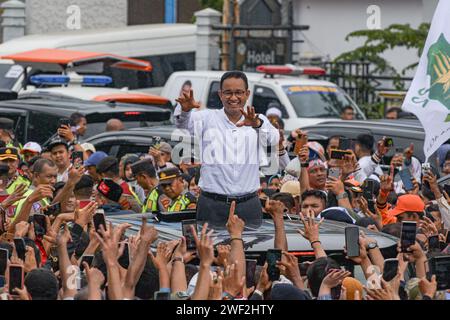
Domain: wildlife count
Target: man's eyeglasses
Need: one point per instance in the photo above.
(228, 94)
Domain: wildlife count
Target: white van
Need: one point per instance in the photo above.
(302, 101)
(168, 47)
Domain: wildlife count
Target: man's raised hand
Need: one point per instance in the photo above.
(235, 225)
(250, 118)
(187, 102)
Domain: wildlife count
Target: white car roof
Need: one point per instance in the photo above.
(254, 77)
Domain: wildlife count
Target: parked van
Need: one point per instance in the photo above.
(301, 100)
(168, 47)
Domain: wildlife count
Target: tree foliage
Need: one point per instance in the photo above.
(214, 4)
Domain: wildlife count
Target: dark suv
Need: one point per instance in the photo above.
(36, 119)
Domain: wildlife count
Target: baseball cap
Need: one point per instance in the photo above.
(318, 149)
(292, 187)
(407, 203)
(88, 147)
(143, 166)
(95, 158)
(31, 147)
(9, 153)
(165, 147)
(86, 181)
(337, 214)
(167, 176)
(110, 190)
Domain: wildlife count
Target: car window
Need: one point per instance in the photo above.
(319, 101)
(214, 101)
(262, 97)
(39, 132)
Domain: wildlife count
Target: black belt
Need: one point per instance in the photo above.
(227, 199)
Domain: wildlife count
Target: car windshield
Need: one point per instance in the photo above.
(319, 101)
(9, 74)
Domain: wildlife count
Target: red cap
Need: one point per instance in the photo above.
(407, 202)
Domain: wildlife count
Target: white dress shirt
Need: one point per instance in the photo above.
(230, 155)
(367, 169)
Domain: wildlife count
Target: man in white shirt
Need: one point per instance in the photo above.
(369, 162)
(59, 150)
(232, 143)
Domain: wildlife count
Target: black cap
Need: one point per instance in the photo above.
(86, 181)
(106, 164)
(6, 124)
(144, 166)
(9, 153)
(167, 176)
(57, 142)
(110, 190)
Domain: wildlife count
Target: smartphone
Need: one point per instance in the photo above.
(390, 269)
(345, 144)
(157, 143)
(187, 233)
(406, 177)
(162, 295)
(263, 202)
(20, 246)
(433, 243)
(15, 278)
(334, 172)
(77, 159)
(272, 256)
(99, 219)
(447, 238)
(303, 268)
(124, 259)
(388, 142)
(53, 210)
(64, 122)
(440, 266)
(352, 241)
(339, 154)
(4, 255)
(368, 190)
(88, 259)
(300, 142)
(408, 234)
(40, 224)
(250, 268)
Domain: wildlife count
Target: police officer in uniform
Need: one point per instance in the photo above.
(7, 133)
(172, 185)
(10, 157)
(145, 175)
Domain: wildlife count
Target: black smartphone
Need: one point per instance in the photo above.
(20, 246)
(263, 202)
(339, 154)
(64, 122)
(187, 233)
(99, 219)
(40, 224)
(272, 256)
(447, 238)
(53, 210)
(250, 269)
(157, 143)
(388, 142)
(433, 243)
(334, 172)
(352, 241)
(368, 194)
(4, 255)
(406, 177)
(440, 266)
(162, 295)
(303, 268)
(390, 269)
(77, 159)
(88, 259)
(408, 234)
(15, 278)
(345, 144)
(124, 259)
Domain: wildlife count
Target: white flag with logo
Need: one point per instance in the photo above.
(429, 94)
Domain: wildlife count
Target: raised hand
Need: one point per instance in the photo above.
(232, 284)
(311, 227)
(204, 245)
(235, 225)
(223, 254)
(292, 271)
(428, 288)
(17, 195)
(148, 233)
(275, 209)
(187, 102)
(42, 191)
(84, 216)
(250, 118)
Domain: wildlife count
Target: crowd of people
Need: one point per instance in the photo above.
(68, 182)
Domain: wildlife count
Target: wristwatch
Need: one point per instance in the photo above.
(260, 124)
(343, 195)
(372, 245)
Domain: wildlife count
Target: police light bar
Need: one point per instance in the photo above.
(50, 79)
(290, 69)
